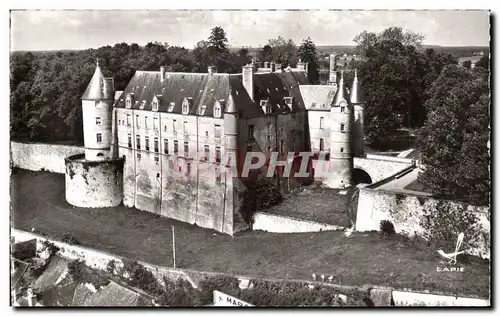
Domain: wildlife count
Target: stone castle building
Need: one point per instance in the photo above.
(144, 145)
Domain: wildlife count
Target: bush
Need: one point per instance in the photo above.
(387, 228)
(83, 274)
(70, 239)
(179, 293)
(142, 278)
(443, 223)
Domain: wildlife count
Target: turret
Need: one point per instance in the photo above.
(97, 106)
(341, 162)
(357, 98)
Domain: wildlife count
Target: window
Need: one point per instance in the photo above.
(146, 122)
(137, 121)
(188, 169)
(216, 111)
(155, 103)
(186, 149)
(206, 133)
(185, 108)
(174, 123)
(176, 147)
(147, 142)
(341, 149)
(128, 103)
(155, 123)
(203, 109)
(268, 108)
(171, 107)
(185, 128)
(217, 154)
(217, 131)
(143, 103)
(165, 146)
(342, 128)
(281, 130)
(321, 122)
(321, 144)
(99, 138)
(156, 144)
(157, 174)
(129, 141)
(282, 146)
(139, 156)
(207, 152)
(250, 132)
(157, 159)
(342, 109)
(98, 120)
(269, 150)
(128, 119)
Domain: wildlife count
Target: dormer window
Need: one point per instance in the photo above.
(266, 107)
(203, 109)
(129, 100)
(171, 106)
(185, 106)
(143, 104)
(155, 103)
(217, 109)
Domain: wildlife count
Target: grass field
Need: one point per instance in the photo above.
(38, 202)
(317, 204)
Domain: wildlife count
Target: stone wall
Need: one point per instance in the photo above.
(36, 156)
(405, 212)
(94, 183)
(283, 224)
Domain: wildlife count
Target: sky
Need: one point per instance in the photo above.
(54, 30)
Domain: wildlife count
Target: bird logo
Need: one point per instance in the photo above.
(452, 257)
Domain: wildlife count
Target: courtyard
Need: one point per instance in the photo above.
(38, 202)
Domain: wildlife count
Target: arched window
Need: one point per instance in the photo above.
(100, 155)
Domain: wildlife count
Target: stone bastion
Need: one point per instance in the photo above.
(93, 183)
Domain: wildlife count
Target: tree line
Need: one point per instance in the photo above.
(46, 87)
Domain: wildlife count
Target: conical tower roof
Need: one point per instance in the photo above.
(230, 106)
(357, 93)
(99, 88)
(341, 94)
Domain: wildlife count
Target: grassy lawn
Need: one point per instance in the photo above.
(314, 203)
(38, 202)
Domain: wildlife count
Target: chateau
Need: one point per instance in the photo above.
(143, 145)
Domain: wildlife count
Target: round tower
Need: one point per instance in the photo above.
(97, 106)
(95, 179)
(231, 134)
(357, 98)
(341, 161)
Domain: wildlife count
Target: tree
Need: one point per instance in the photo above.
(484, 62)
(467, 64)
(283, 52)
(308, 54)
(453, 140)
(217, 41)
(266, 54)
(366, 39)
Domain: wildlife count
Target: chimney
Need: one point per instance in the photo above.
(162, 71)
(210, 70)
(273, 66)
(332, 80)
(247, 77)
(266, 64)
(30, 296)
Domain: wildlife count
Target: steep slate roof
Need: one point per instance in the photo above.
(99, 88)
(57, 268)
(342, 94)
(204, 89)
(277, 85)
(318, 94)
(114, 294)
